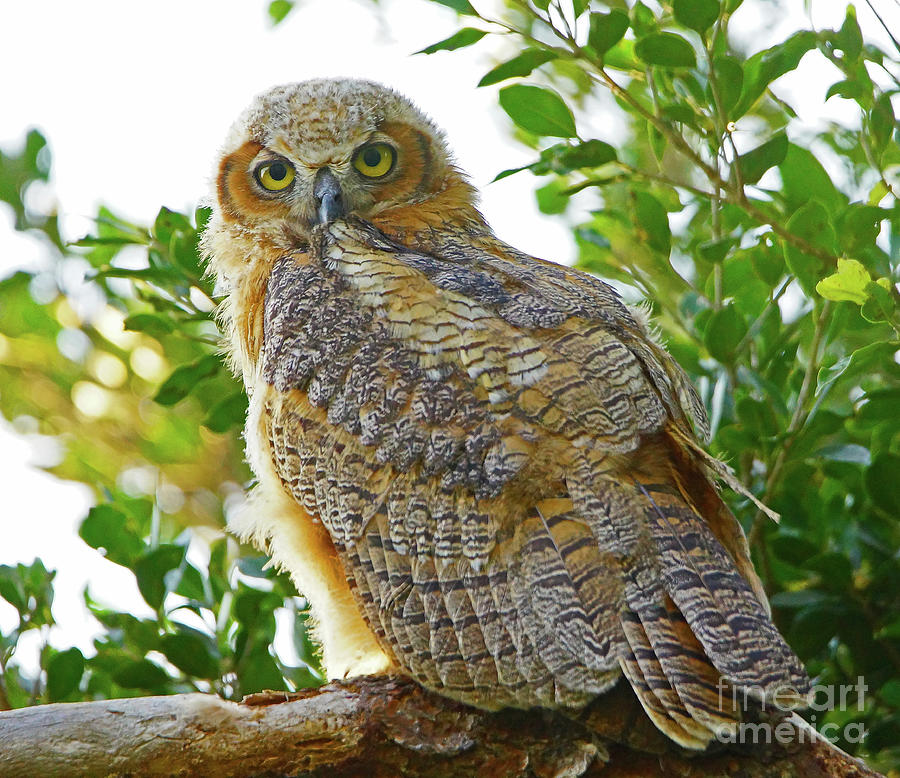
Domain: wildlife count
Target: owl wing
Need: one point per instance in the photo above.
(492, 443)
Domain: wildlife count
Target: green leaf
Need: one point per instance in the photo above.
(606, 30)
(766, 66)
(847, 284)
(184, 379)
(813, 224)
(665, 49)
(460, 6)
(880, 304)
(757, 161)
(141, 674)
(190, 653)
(859, 361)
(64, 673)
(150, 571)
(259, 671)
(725, 329)
(152, 323)
(643, 20)
(811, 630)
(652, 220)
(803, 176)
(11, 588)
(279, 9)
(108, 529)
(621, 56)
(168, 223)
(729, 80)
(716, 250)
(517, 67)
(538, 110)
(849, 89)
(883, 482)
(509, 172)
(591, 153)
(550, 199)
(657, 142)
(881, 121)
(859, 226)
(463, 7)
(227, 414)
(465, 37)
(697, 15)
(191, 584)
(849, 38)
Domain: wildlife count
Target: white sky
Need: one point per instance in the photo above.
(135, 97)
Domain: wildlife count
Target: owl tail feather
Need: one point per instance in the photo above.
(708, 647)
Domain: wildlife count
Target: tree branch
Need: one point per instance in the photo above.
(379, 726)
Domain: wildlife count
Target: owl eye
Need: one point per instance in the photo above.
(275, 176)
(375, 160)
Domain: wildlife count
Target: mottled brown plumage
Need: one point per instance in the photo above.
(479, 467)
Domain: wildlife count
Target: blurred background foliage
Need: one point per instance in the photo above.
(768, 248)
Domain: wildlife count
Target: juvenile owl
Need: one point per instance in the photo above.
(478, 467)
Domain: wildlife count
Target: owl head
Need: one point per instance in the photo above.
(305, 154)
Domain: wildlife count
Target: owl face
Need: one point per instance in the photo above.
(309, 153)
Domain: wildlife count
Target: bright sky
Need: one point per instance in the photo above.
(135, 98)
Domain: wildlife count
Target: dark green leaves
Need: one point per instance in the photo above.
(465, 37)
(757, 161)
(606, 30)
(64, 673)
(140, 674)
(112, 531)
(724, 331)
(665, 49)
(191, 653)
(29, 589)
(184, 379)
(151, 569)
(652, 219)
(591, 153)
(521, 65)
(883, 483)
(538, 110)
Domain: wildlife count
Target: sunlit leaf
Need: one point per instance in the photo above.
(538, 110)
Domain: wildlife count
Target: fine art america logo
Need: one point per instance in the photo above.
(821, 699)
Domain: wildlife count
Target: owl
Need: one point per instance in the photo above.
(480, 468)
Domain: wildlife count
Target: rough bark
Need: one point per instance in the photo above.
(371, 727)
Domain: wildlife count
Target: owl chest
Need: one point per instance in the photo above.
(357, 425)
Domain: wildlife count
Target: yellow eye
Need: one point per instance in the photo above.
(275, 176)
(375, 160)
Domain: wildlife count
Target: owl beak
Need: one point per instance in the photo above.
(328, 196)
